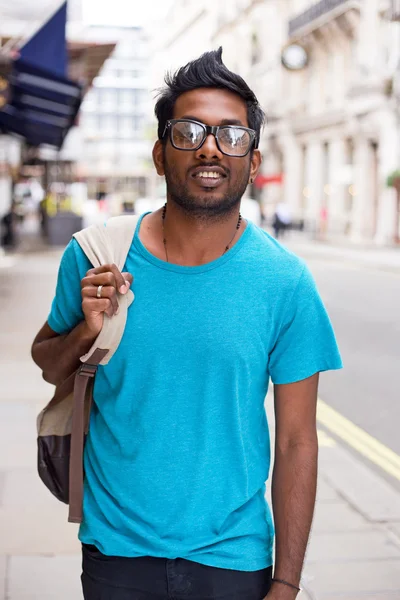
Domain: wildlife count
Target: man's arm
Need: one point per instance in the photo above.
(294, 479)
(58, 355)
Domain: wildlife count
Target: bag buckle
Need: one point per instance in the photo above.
(87, 370)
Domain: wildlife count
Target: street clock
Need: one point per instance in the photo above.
(294, 57)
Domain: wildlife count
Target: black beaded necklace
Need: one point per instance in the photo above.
(164, 214)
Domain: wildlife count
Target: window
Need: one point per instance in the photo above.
(90, 101)
(125, 49)
(108, 124)
(108, 98)
(127, 152)
(91, 150)
(255, 49)
(106, 149)
(127, 98)
(128, 126)
(89, 123)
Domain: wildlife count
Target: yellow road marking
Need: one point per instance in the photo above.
(359, 439)
(325, 440)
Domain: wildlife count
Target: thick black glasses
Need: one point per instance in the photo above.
(232, 140)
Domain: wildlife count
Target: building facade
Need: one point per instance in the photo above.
(114, 120)
(332, 137)
(339, 131)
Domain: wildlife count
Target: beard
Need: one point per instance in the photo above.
(206, 205)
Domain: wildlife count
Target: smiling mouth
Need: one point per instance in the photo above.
(208, 175)
(208, 179)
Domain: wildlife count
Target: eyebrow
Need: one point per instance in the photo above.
(223, 122)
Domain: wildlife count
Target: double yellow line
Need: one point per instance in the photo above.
(358, 439)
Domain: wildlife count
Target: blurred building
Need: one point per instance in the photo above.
(32, 163)
(114, 120)
(327, 75)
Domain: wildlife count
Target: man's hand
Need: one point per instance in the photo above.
(94, 308)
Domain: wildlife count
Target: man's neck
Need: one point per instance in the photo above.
(190, 240)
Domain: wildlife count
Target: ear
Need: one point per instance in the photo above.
(255, 162)
(158, 157)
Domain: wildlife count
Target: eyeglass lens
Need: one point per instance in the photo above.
(232, 140)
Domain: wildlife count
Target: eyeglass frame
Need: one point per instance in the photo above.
(213, 130)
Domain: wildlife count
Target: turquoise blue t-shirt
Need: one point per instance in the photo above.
(178, 450)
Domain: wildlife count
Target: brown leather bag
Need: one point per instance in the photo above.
(64, 423)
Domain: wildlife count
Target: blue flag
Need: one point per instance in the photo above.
(47, 49)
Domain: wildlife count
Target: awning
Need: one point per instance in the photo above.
(42, 106)
(42, 102)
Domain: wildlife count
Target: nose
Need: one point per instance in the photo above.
(209, 150)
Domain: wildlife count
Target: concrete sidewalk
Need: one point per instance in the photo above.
(368, 256)
(354, 551)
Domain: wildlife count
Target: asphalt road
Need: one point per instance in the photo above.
(364, 306)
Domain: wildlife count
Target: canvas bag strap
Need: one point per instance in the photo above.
(105, 244)
(109, 243)
(83, 377)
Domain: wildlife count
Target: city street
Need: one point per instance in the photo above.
(355, 544)
(93, 96)
(364, 307)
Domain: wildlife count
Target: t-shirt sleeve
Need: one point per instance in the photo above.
(306, 342)
(66, 310)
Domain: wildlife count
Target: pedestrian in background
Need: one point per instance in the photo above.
(178, 449)
(9, 228)
(282, 219)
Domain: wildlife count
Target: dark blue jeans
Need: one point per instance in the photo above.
(149, 578)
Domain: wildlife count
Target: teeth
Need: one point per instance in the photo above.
(211, 174)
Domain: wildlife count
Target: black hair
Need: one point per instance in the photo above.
(206, 71)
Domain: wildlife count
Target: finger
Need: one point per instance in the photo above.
(128, 277)
(101, 269)
(106, 279)
(120, 282)
(108, 292)
(97, 306)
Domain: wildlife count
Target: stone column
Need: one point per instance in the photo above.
(389, 150)
(314, 180)
(368, 53)
(293, 175)
(338, 186)
(362, 212)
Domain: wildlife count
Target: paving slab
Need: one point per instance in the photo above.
(17, 435)
(325, 491)
(2, 486)
(23, 486)
(21, 378)
(45, 578)
(3, 574)
(353, 578)
(37, 530)
(369, 493)
(395, 528)
(362, 545)
(336, 517)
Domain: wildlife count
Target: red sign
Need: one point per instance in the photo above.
(262, 180)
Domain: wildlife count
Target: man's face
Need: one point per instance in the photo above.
(206, 196)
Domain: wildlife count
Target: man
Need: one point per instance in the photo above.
(281, 219)
(178, 450)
